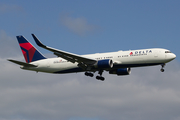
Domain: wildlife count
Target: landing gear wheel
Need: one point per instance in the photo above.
(86, 73)
(97, 77)
(162, 70)
(100, 78)
(89, 74)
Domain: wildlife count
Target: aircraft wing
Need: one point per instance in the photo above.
(83, 61)
(22, 63)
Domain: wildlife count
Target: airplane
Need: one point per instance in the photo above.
(117, 63)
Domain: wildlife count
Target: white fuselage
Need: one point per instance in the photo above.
(121, 59)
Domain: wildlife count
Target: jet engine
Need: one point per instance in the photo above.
(121, 71)
(104, 64)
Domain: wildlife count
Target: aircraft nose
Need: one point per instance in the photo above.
(172, 56)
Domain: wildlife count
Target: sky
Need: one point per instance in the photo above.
(85, 27)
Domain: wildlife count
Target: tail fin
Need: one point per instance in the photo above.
(29, 51)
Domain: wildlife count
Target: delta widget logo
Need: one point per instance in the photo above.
(28, 51)
(131, 53)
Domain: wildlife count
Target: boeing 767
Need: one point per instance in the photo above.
(118, 63)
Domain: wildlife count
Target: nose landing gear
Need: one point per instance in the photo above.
(162, 69)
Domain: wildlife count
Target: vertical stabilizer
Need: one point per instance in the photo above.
(29, 51)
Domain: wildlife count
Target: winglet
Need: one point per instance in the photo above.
(38, 42)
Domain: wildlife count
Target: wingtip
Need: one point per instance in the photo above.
(33, 35)
(9, 59)
(38, 42)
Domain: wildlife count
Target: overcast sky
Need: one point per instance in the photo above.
(83, 27)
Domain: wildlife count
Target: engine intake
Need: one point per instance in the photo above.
(121, 71)
(104, 64)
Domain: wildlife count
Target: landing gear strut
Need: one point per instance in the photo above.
(162, 69)
(100, 77)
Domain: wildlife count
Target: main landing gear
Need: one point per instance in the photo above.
(100, 77)
(162, 69)
(89, 74)
(97, 77)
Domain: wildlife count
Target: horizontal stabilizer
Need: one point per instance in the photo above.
(22, 63)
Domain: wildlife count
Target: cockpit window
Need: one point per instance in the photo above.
(167, 51)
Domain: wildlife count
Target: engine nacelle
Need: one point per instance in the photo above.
(104, 64)
(121, 71)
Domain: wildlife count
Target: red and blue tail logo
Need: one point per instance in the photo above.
(29, 51)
